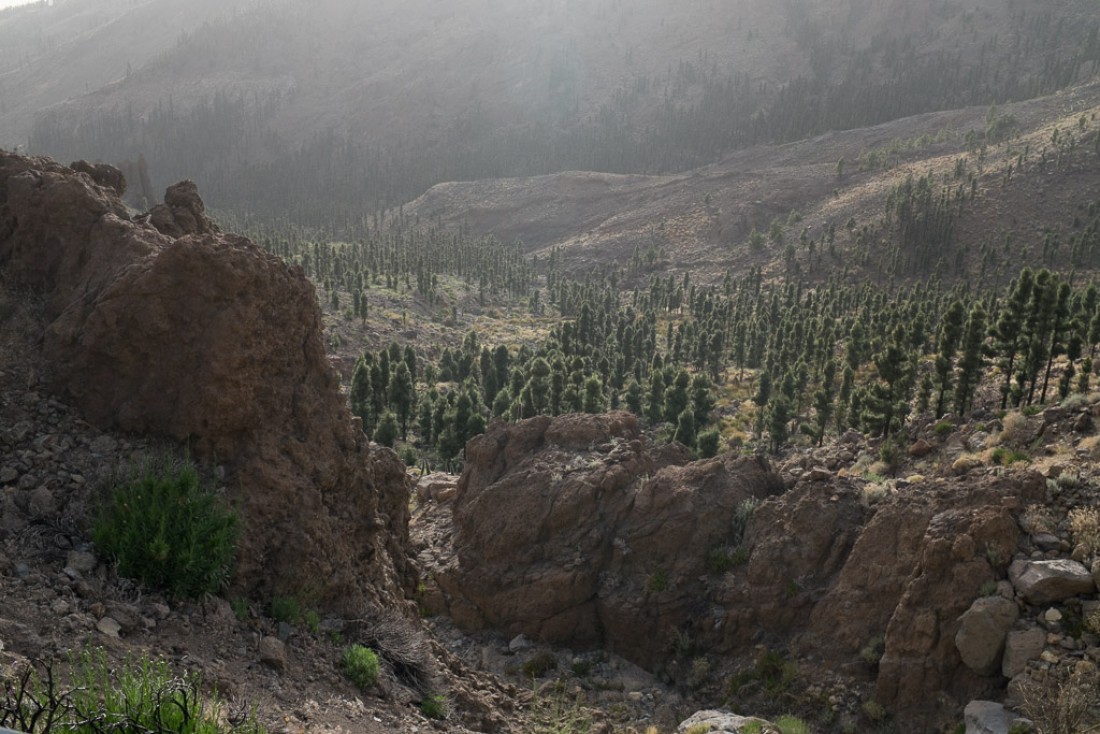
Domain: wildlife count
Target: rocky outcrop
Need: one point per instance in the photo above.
(182, 212)
(185, 332)
(567, 531)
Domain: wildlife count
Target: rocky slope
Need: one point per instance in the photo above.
(168, 327)
(907, 598)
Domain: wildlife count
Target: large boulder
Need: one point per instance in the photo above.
(1048, 582)
(566, 531)
(982, 631)
(208, 339)
(989, 717)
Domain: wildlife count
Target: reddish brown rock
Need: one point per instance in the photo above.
(566, 531)
(210, 340)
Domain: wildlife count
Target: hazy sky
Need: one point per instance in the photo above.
(9, 3)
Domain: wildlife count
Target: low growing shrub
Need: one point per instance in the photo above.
(165, 530)
(360, 665)
(141, 695)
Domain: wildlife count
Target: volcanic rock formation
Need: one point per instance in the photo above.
(170, 327)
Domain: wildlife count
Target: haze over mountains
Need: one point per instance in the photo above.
(327, 111)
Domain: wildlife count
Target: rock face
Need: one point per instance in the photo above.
(571, 530)
(1044, 582)
(1020, 647)
(208, 339)
(567, 530)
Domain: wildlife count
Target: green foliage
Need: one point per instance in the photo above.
(360, 665)
(435, 707)
(871, 653)
(540, 664)
(657, 581)
(1004, 456)
(385, 434)
(312, 621)
(792, 725)
(944, 428)
(708, 442)
(286, 609)
(239, 605)
(167, 531)
(771, 672)
(141, 695)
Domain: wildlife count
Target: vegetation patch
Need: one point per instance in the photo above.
(164, 529)
(360, 665)
(142, 695)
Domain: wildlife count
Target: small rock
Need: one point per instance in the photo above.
(109, 627)
(1044, 582)
(920, 449)
(519, 643)
(987, 717)
(1046, 541)
(718, 722)
(1052, 616)
(8, 475)
(1021, 647)
(965, 465)
(81, 561)
(819, 474)
(273, 653)
(104, 445)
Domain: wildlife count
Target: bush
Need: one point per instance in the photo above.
(360, 665)
(141, 696)
(1084, 523)
(1005, 457)
(165, 530)
(539, 665)
(708, 443)
(286, 609)
(434, 707)
(944, 428)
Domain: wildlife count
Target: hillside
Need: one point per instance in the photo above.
(824, 192)
(326, 113)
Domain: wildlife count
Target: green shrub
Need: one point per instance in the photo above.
(657, 581)
(239, 605)
(434, 707)
(167, 531)
(944, 428)
(792, 725)
(540, 664)
(707, 443)
(313, 621)
(741, 519)
(286, 609)
(1003, 456)
(360, 665)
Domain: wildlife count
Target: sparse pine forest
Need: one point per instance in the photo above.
(747, 362)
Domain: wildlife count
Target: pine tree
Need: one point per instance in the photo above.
(402, 396)
(1008, 331)
(386, 432)
(685, 428)
(950, 333)
(972, 362)
(593, 395)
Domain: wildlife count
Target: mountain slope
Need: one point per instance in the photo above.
(321, 112)
(702, 221)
